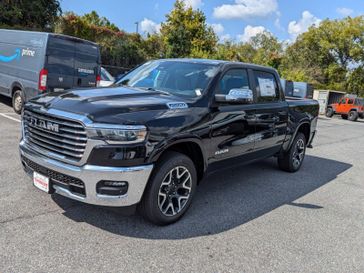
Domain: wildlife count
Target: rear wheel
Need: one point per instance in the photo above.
(291, 161)
(344, 116)
(353, 116)
(329, 112)
(170, 189)
(18, 101)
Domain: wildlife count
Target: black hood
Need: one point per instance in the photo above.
(112, 104)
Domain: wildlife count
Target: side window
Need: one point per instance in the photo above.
(233, 79)
(350, 101)
(343, 101)
(267, 87)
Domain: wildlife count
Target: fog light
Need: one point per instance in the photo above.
(112, 188)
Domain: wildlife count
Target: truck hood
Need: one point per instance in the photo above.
(112, 104)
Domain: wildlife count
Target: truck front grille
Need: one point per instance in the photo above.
(57, 135)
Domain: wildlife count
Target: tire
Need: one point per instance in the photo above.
(353, 116)
(329, 112)
(292, 160)
(344, 116)
(18, 101)
(162, 203)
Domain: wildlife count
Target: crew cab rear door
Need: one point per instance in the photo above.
(271, 112)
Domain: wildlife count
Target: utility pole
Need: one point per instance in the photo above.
(137, 27)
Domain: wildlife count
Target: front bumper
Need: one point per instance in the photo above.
(137, 178)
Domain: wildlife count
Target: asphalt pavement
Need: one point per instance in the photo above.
(251, 219)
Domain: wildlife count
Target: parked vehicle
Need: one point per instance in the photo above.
(287, 87)
(150, 138)
(348, 108)
(32, 63)
(327, 97)
(302, 90)
(106, 78)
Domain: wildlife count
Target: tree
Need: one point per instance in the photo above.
(29, 14)
(186, 34)
(329, 55)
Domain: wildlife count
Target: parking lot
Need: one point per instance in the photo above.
(252, 219)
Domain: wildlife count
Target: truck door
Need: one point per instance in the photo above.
(233, 125)
(271, 112)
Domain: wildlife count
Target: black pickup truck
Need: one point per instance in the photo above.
(148, 140)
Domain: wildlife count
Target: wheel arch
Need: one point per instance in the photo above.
(191, 147)
(305, 128)
(15, 86)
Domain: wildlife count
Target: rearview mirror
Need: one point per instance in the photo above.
(238, 96)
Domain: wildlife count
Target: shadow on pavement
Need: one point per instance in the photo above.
(6, 101)
(223, 201)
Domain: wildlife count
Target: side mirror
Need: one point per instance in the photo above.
(238, 96)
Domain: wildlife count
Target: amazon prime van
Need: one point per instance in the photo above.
(33, 63)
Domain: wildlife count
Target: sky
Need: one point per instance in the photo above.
(236, 20)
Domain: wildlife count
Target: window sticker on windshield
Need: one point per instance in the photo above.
(267, 88)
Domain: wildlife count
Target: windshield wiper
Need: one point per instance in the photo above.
(155, 90)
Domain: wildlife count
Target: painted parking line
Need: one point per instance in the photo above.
(9, 117)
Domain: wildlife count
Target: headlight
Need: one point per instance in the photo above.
(114, 134)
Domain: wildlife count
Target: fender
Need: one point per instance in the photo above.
(13, 85)
(305, 121)
(163, 146)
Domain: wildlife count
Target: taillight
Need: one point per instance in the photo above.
(98, 80)
(43, 76)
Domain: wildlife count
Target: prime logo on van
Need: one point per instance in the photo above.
(49, 126)
(17, 54)
(28, 52)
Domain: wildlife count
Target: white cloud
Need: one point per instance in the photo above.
(295, 28)
(193, 3)
(226, 37)
(345, 12)
(148, 26)
(218, 28)
(250, 32)
(245, 9)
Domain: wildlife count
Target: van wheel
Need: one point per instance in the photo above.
(292, 160)
(18, 101)
(329, 112)
(170, 189)
(353, 116)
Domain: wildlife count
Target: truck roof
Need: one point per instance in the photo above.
(218, 62)
(46, 34)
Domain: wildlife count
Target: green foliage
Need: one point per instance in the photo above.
(186, 34)
(330, 55)
(29, 14)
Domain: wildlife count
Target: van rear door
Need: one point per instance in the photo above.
(71, 63)
(86, 64)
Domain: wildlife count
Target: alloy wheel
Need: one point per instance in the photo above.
(175, 191)
(298, 153)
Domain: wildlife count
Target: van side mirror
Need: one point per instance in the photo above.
(238, 96)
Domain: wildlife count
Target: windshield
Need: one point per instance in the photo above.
(106, 76)
(178, 78)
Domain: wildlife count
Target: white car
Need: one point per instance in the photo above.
(106, 78)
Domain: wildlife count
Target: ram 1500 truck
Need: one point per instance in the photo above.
(148, 140)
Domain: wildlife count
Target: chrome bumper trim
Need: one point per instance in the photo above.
(137, 177)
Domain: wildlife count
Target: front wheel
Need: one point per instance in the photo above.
(18, 101)
(292, 160)
(170, 189)
(353, 116)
